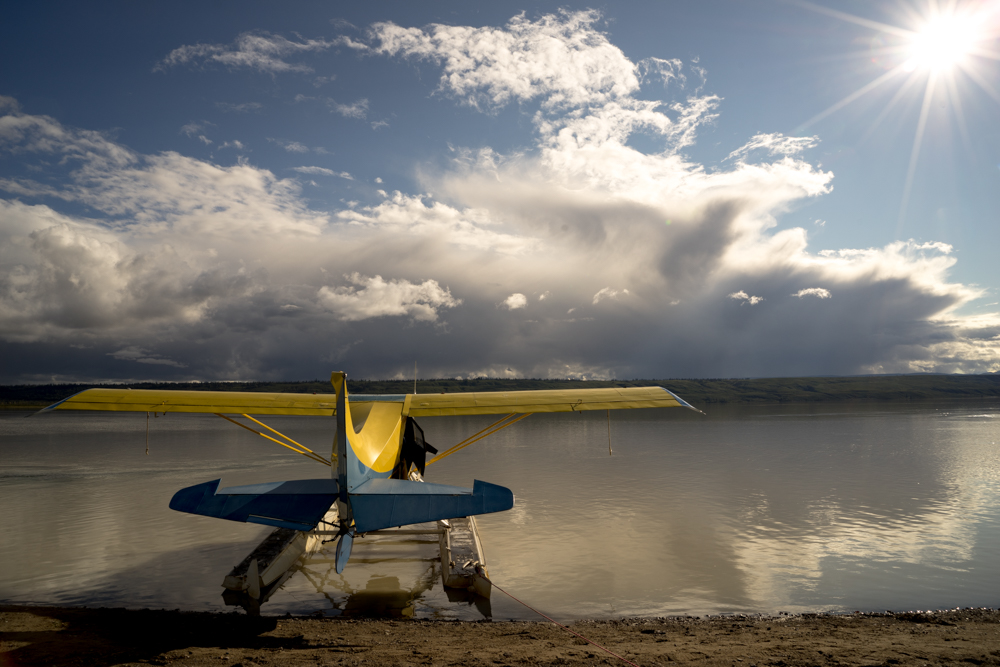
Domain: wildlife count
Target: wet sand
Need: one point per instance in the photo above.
(70, 636)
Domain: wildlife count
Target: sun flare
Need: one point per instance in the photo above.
(949, 47)
(942, 43)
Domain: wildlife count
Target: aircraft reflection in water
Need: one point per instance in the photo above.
(377, 462)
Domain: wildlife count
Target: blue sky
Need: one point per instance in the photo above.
(651, 189)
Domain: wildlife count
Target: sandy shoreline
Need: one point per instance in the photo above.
(80, 636)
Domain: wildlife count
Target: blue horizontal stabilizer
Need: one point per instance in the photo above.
(297, 504)
(385, 503)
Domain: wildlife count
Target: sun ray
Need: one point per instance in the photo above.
(918, 139)
(911, 81)
(944, 38)
(871, 85)
(956, 102)
(983, 53)
(983, 83)
(851, 18)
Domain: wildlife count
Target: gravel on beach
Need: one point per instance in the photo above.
(32, 635)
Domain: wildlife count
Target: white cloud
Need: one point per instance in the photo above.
(775, 144)
(515, 301)
(439, 223)
(746, 298)
(559, 56)
(357, 109)
(22, 133)
(195, 128)
(260, 51)
(9, 104)
(343, 40)
(291, 146)
(72, 276)
(297, 146)
(818, 292)
(322, 171)
(562, 61)
(662, 69)
(378, 298)
(607, 293)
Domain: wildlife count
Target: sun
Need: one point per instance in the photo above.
(942, 43)
(947, 47)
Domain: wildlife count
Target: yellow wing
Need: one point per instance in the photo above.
(415, 405)
(168, 400)
(544, 400)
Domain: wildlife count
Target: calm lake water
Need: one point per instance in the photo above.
(748, 509)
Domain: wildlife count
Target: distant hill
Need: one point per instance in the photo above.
(697, 392)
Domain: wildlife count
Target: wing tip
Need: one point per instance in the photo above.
(680, 400)
(55, 406)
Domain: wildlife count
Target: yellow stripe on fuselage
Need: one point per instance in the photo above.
(378, 439)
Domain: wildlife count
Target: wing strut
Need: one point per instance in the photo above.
(298, 448)
(499, 424)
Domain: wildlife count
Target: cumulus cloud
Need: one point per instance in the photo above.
(260, 51)
(425, 222)
(560, 56)
(818, 292)
(743, 297)
(380, 298)
(515, 301)
(69, 276)
(560, 60)
(608, 293)
(229, 270)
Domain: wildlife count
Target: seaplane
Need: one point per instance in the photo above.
(378, 460)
